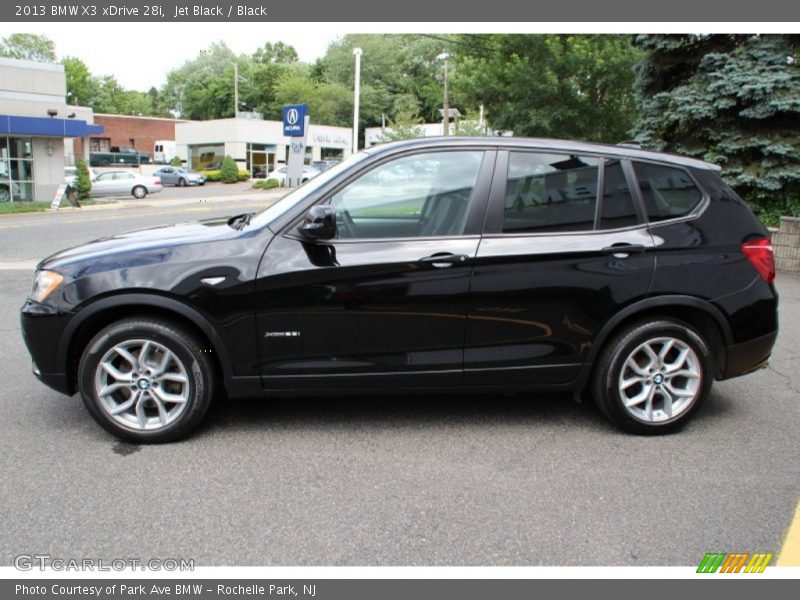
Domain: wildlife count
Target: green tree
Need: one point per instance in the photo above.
(83, 182)
(28, 46)
(81, 86)
(203, 88)
(728, 99)
(328, 103)
(391, 66)
(176, 161)
(563, 86)
(405, 124)
(229, 172)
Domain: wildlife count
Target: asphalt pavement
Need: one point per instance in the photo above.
(452, 480)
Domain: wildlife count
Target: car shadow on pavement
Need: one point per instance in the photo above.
(401, 411)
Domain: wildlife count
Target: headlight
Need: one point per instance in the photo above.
(44, 283)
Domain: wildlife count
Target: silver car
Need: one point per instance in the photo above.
(124, 183)
(179, 176)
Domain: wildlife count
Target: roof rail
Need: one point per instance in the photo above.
(630, 144)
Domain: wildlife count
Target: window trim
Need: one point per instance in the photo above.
(493, 225)
(697, 211)
(476, 215)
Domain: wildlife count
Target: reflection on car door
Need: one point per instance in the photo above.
(557, 261)
(384, 301)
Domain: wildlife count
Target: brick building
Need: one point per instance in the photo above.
(137, 132)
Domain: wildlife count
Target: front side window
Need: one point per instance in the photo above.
(423, 195)
(550, 192)
(667, 192)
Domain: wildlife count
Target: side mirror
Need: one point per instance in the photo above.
(320, 223)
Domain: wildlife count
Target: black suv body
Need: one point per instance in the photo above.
(449, 264)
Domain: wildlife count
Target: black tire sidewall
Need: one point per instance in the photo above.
(143, 192)
(185, 348)
(605, 389)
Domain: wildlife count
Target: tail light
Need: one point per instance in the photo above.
(759, 253)
(157, 181)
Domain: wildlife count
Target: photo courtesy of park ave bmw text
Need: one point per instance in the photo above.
(357, 300)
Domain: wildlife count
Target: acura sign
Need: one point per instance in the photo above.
(294, 120)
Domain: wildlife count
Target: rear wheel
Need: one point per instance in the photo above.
(652, 376)
(146, 380)
(139, 192)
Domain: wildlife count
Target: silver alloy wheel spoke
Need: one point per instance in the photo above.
(666, 386)
(142, 385)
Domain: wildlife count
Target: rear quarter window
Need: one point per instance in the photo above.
(667, 192)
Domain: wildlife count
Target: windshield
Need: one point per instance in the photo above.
(291, 199)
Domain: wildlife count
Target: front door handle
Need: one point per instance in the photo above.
(623, 250)
(442, 260)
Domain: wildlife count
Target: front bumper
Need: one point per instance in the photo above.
(42, 328)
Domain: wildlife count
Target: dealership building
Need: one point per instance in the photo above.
(37, 129)
(256, 145)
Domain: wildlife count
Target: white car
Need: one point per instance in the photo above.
(124, 183)
(279, 174)
(71, 175)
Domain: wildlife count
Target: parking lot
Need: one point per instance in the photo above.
(453, 480)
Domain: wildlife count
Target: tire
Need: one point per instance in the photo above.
(139, 192)
(181, 182)
(652, 376)
(161, 380)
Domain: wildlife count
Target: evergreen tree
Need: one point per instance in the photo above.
(229, 173)
(729, 99)
(83, 182)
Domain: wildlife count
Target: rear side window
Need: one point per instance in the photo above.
(667, 192)
(550, 192)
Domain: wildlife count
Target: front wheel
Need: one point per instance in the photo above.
(139, 192)
(652, 376)
(181, 182)
(146, 380)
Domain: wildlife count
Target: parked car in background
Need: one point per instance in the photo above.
(179, 176)
(118, 155)
(280, 173)
(71, 175)
(324, 165)
(124, 183)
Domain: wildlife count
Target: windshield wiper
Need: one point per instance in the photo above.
(240, 221)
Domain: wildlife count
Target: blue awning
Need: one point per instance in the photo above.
(45, 126)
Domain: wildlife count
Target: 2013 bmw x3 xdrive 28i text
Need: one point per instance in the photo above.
(438, 265)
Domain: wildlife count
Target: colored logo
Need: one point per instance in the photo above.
(734, 562)
(294, 116)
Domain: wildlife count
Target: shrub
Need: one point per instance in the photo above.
(244, 175)
(229, 173)
(176, 161)
(83, 182)
(266, 184)
(211, 175)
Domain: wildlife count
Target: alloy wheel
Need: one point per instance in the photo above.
(660, 379)
(142, 385)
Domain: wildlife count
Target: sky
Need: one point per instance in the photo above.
(140, 55)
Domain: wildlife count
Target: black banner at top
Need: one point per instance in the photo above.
(407, 11)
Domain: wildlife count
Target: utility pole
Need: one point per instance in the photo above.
(446, 108)
(235, 90)
(356, 98)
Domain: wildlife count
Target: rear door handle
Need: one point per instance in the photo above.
(443, 260)
(623, 250)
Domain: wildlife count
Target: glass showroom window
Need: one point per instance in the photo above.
(206, 156)
(16, 169)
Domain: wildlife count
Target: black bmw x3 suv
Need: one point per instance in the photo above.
(450, 264)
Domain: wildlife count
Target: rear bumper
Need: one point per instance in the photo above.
(748, 356)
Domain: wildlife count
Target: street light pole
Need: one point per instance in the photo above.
(235, 90)
(356, 98)
(446, 108)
